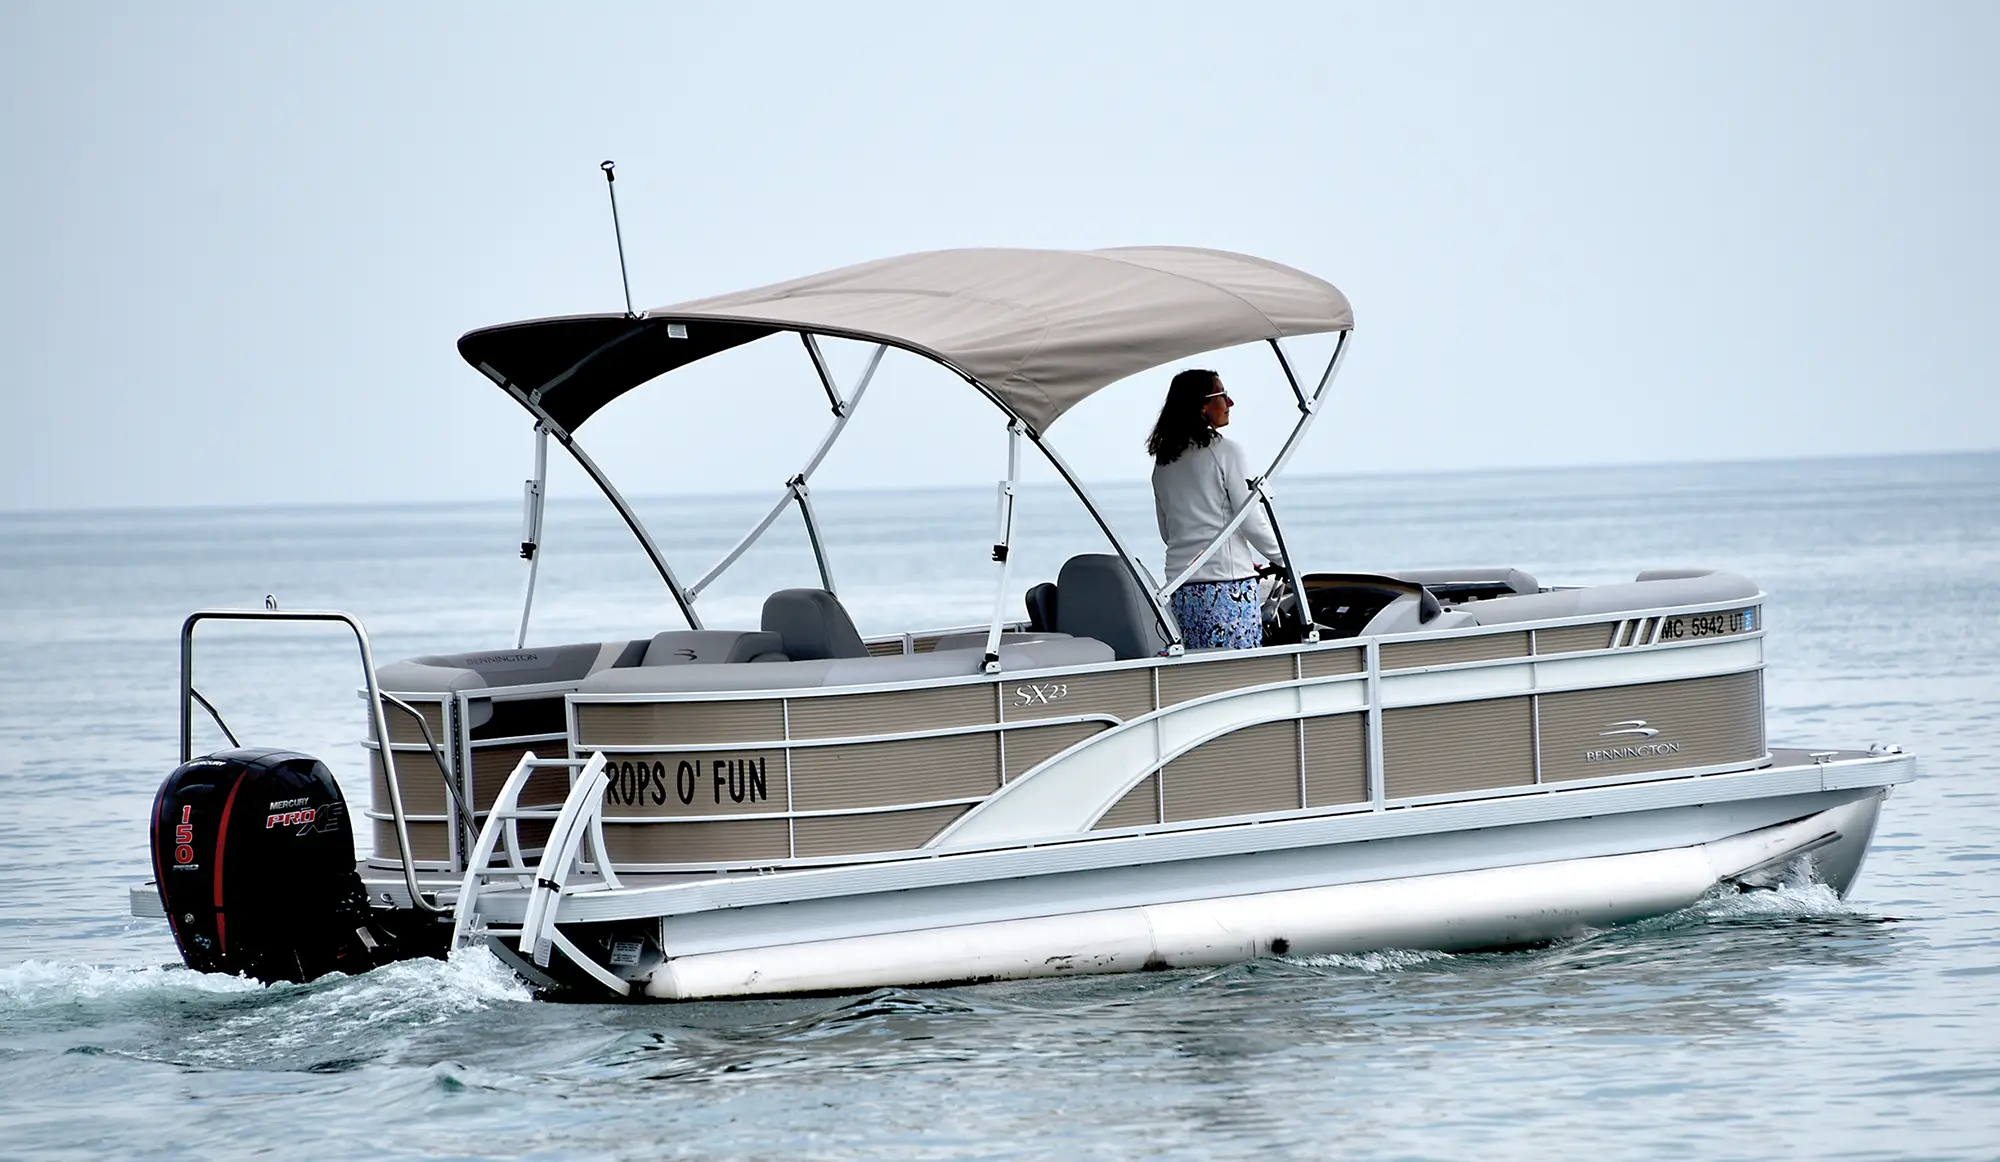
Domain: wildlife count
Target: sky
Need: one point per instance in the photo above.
(240, 242)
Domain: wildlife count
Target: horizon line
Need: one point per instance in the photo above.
(8, 511)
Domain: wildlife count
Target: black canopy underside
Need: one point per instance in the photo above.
(583, 362)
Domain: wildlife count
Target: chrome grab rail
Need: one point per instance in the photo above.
(377, 718)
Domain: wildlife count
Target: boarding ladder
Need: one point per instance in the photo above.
(547, 884)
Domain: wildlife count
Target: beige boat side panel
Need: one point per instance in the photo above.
(887, 831)
(492, 764)
(429, 842)
(1030, 745)
(639, 723)
(1622, 730)
(1477, 648)
(1570, 638)
(879, 774)
(1123, 694)
(533, 832)
(417, 773)
(723, 841)
(1246, 771)
(842, 715)
(694, 784)
(403, 728)
(1140, 806)
(1458, 746)
(1202, 674)
(547, 787)
(1336, 760)
(1323, 663)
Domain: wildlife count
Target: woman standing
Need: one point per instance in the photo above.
(1200, 479)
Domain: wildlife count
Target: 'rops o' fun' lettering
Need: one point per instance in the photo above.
(636, 783)
(641, 782)
(743, 779)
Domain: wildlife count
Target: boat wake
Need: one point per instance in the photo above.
(173, 1015)
(43, 984)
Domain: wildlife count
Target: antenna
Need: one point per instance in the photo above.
(611, 187)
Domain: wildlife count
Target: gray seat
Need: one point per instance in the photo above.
(1458, 585)
(1099, 598)
(1049, 654)
(812, 625)
(1042, 603)
(684, 647)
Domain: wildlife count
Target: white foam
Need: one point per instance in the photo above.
(1797, 896)
(35, 984)
(1385, 960)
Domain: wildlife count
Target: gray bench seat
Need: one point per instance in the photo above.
(863, 671)
(486, 669)
(1653, 589)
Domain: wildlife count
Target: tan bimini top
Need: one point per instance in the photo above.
(1037, 330)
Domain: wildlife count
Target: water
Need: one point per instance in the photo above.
(1787, 1023)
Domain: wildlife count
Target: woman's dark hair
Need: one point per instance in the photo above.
(1181, 424)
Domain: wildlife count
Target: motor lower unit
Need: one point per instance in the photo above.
(253, 852)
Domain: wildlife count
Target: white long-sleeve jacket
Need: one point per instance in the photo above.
(1195, 496)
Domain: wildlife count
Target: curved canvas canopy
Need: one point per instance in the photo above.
(1040, 330)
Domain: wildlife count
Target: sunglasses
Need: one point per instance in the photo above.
(1221, 395)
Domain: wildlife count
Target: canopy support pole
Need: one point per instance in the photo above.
(533, 493)
(843, 410)
(1154, 597)
(610, 491)
(825, 376)
(1309, 409)
(1291, 567)
(804, 496)
(1003, 541)
(1298, 393)
(681, 596)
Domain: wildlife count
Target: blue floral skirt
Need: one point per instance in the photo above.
(1220, 613)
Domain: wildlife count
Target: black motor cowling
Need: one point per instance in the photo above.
(253, 852)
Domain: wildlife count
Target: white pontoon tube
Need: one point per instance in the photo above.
(1458, 911)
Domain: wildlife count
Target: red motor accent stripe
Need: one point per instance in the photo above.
(222, 842)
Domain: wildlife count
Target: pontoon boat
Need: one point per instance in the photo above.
(1441, 759)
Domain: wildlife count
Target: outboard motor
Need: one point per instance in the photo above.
(253, 852)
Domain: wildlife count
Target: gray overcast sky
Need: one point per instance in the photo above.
(240, 241)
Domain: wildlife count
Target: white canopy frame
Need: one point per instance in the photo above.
(796, 491)
(795, 488)
(545, 423)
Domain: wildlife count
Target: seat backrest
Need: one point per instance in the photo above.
(812, 624)
(1099, 598)
(682, 647)
(1042, 608)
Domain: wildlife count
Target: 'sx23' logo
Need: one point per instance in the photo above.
(1040, 693)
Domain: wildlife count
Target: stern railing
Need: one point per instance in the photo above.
(377, 718)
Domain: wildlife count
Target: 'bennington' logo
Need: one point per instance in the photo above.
(1635, 727)
(502, 659)
(1631, 726)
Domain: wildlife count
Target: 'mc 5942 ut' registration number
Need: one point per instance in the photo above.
(1700, 625)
